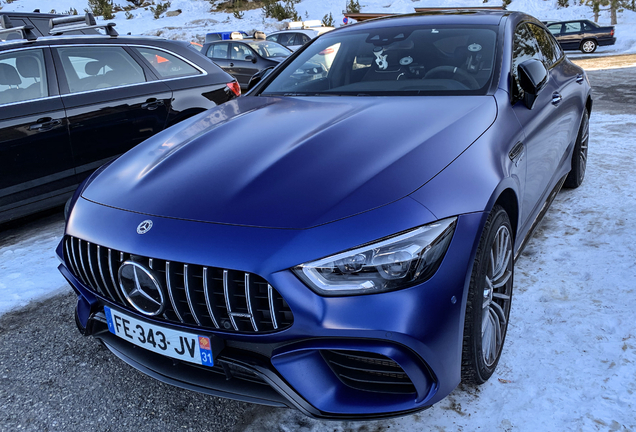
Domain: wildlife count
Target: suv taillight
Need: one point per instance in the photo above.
(235, 87)
(612, 32)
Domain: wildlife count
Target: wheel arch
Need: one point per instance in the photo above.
(510, 203)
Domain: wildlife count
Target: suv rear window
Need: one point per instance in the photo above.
(167, 65)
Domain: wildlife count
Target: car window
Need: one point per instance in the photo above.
(269, 49)
(587, 25)
(218, 50)
(273, 38)
(525, 47)
(22, 76)
(286, 38)
(545, 45)
(99, 67)
(301, 39)
(240, 51)
(572, 27)
(167, 65)
(393, 61)
(555, 28)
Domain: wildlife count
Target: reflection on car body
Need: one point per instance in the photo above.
(68, 104)
(342, 245)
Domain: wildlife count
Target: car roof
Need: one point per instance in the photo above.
(85, 39)
(458, 17)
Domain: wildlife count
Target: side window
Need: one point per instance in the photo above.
(167, 65)
(545, 45)
(240, 51)
(272, 38)
(22, 76)
(301, 39)
(286, 38)
(525, 47)
(218, 50)
(98, 67)
(572, 27)
(555, 29)
(587, 26)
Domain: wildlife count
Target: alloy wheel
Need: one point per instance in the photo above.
(585, 135)
(589, 46)
(496, 296)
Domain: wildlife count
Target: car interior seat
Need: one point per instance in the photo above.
(29, 67)
(9, 77)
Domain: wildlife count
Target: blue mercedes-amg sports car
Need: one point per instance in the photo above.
(343, 244)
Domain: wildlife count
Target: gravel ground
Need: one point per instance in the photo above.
(52, 378)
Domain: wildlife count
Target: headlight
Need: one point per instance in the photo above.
(392, 263)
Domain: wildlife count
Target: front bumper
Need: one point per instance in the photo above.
(419, 328)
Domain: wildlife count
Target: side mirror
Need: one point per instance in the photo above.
(533, 76)
(250, 58)
(258, 77)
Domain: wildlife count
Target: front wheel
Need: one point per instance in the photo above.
(489, 299)
(588, 46)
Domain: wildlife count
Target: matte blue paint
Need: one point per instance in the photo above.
(264, 184)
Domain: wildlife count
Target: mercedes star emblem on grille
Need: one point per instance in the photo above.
(141, 288)
(144, 227)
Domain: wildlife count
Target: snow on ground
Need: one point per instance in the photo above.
(28, 265)
(196, 19)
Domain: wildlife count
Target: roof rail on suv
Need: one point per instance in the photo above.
(7, 28)
(72, 23)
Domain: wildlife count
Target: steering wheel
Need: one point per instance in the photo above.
(454, 73)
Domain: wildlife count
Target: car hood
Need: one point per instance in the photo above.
(293, 162)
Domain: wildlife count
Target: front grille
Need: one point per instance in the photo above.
(368, 371)
(208, 297)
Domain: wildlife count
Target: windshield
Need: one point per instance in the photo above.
(394, 61)
(269, 49)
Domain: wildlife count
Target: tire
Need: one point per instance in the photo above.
(579, 154)
(588, 46)
(489, 299)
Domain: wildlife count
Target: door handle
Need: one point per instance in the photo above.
(556, 98)
(580, 78)
(231, 64)
(152, 104)
(44, 124)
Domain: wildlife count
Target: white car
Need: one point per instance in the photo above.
(298, 34)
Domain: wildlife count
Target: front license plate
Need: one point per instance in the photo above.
(180, 345)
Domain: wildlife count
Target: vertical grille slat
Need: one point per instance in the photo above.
(170, 292)
(270, 301)
(101, 273)
(112, 276)
(226, 294)
(208, 301)
(188, 292)
(208, 297)
(83, 271)
(91, 267)
(248, 299)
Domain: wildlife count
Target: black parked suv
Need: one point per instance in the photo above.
(69, 104)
